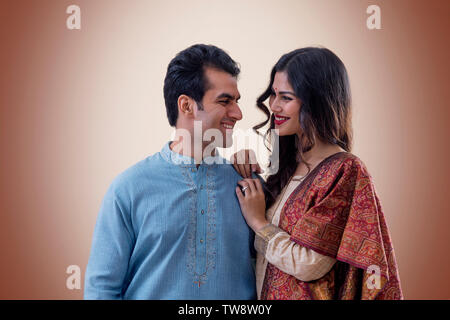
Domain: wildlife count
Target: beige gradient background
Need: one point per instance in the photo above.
(79, 106)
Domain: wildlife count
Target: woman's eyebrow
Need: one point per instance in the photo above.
(284, 92)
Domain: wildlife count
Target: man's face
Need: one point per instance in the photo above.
(220, 107)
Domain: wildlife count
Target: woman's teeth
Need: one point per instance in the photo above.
(278, 118)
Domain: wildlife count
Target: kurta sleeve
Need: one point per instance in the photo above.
(303, 263)
(112, 245)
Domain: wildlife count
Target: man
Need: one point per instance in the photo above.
(170, 227)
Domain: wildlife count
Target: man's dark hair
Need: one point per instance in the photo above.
(186, 75)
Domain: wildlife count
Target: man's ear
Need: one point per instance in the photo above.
(186, 105)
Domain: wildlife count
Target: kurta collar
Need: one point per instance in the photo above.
(186, 161)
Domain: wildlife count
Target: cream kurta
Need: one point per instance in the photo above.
(274, 245)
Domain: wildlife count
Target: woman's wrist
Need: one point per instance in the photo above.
(259, 224)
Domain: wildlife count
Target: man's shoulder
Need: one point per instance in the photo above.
(140, 172)
(227, 169)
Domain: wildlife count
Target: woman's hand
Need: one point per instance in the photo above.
(253, 204)
(244, 162)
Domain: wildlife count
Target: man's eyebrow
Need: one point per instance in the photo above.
(227, 96)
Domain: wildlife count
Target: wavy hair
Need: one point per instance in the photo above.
(320, 81)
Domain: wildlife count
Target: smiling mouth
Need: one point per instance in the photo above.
(280, 120)
(227, 125)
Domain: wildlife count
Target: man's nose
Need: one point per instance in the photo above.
(235, 112)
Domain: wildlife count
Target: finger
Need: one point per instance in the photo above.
(252, 159)
(242, 170)
(240, 157)
(247, 164)
(233, 158)
(248, 170)
(243, 183)
(237, 168)
(245, 188)
(251, 185)
(239, 195)
(258, 168)
(258, 185)
(233, 161)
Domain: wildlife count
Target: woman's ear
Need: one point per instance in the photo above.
(185, 105)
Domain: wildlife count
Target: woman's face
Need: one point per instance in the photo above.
(285, 105)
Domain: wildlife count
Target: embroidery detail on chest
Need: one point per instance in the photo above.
(199, 267)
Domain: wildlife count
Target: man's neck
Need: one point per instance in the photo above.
(194, 150)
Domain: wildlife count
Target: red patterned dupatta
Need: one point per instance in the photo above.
(336, 212)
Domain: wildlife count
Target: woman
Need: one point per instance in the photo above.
(324, 235)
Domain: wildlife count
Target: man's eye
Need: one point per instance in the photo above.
(224, 102)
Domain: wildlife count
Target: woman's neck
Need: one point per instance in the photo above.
(320, 151)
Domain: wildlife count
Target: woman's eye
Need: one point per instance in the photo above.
(286, 98)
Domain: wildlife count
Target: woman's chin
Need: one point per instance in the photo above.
(283, 132)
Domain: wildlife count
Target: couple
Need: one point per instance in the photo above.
(190, 229)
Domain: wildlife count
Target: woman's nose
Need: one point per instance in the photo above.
(274, 105)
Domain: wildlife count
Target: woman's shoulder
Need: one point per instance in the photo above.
(345, 163)
(348, 158)
(340, 173)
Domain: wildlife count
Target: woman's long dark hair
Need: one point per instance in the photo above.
(320, 81)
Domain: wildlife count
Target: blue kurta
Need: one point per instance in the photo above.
(170, 230)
